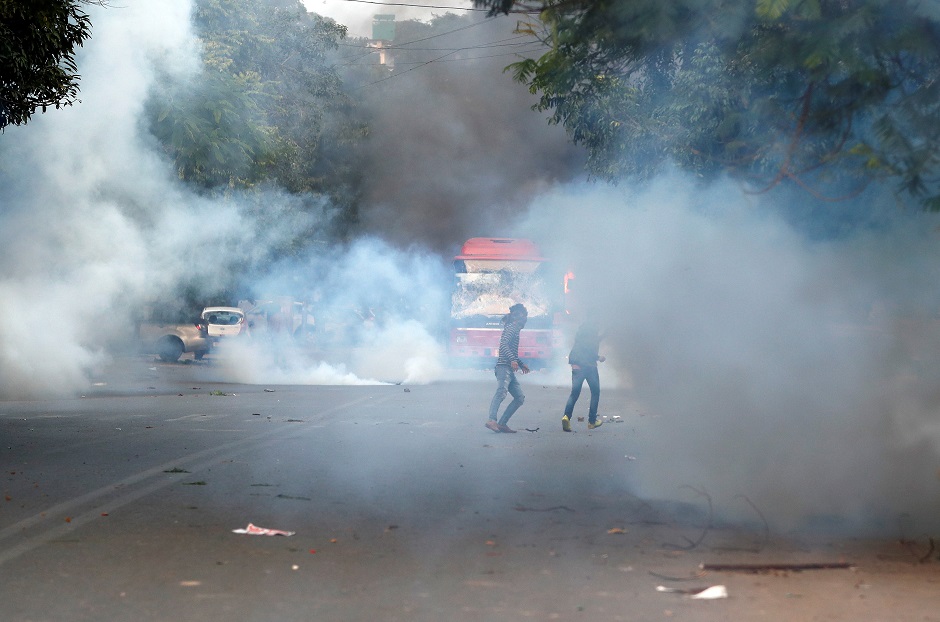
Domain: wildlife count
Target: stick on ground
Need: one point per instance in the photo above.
(771, 567)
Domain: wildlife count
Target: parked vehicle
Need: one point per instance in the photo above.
(170, 341)
(283, 314)
(223, 322)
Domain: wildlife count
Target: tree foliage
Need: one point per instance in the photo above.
(38, 41)
(826, 94)
(267, 106)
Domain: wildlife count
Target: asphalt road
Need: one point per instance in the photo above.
(121, 505)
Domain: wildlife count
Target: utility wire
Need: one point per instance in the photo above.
(494, 44)
(420, 6)
(439, 59)
(485, 21)
(458, 60)
(401, 73)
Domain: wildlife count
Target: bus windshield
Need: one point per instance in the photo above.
(489, 290)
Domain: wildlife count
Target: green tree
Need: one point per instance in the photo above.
(829, 95)
(268, 105)
(38, 41)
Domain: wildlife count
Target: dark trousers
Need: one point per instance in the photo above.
(578, 376)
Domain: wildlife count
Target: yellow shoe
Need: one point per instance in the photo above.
(596, 424)
(566, 424)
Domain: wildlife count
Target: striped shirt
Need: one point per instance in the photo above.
(509, 343)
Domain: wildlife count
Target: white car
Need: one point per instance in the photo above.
(224, 322)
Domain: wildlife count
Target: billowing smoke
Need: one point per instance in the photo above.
(74, 181)
(793, 371)
(377, 312)
(455, 149)
(94, 225)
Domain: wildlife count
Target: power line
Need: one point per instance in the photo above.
(420, 6)
(439, 59)
(459, 60)
(493, 44)
(485, 21)
(401, 73)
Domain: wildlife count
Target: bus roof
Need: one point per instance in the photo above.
(500, 248)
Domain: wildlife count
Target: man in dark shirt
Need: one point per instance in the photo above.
(507, 365)
(583, 359)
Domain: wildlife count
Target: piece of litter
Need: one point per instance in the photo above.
(701, 593)
(253, 530)
(715, 591)
(630, 457)
(616, 530)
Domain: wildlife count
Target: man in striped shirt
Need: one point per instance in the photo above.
(507, 365)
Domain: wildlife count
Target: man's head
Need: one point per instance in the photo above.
(519, 312)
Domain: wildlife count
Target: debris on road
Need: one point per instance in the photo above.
(253, 530)
(613, 530)
(522, 508)
(715, 591)
(772, 567)
(531, 430)
(702, 593)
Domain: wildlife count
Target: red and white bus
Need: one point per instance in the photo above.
(492, 274)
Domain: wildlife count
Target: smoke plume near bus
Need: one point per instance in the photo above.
(795, 370)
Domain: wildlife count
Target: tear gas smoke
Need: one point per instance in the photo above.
(94, 225)
(455, 149)
(383, 307)
(797, 372)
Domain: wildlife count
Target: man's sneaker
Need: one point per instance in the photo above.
(492, 425)
(502, 427)
(566, 424)
(596, 424)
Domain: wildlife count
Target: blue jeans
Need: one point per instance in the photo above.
(578, 376)
(506, 383)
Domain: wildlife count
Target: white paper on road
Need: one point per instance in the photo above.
(253, 530)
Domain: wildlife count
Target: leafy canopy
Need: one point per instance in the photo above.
(267, 106)
(826, 94)
(38, 41)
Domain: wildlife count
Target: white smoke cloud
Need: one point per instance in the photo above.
(800, 373)
(93, 223)
(70, 250)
